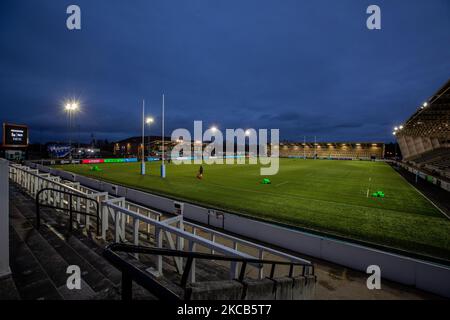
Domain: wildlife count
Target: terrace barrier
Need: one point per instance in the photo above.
(68, 206)
(131, 272)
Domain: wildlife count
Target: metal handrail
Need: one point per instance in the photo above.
(131, 272)
(70, 209)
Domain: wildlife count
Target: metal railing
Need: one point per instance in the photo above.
(177, 236)
(69, 208)
(131, 272)
(32, 181)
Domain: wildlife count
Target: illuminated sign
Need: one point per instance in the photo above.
(112, 160)
(15, 135)
(58, 150)
(90, 161)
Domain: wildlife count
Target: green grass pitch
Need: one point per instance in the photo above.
(323, 195)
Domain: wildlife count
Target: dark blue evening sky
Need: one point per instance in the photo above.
(306, 67)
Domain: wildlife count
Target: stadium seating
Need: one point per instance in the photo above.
(424, 139)
(363, 151)
(436, 161)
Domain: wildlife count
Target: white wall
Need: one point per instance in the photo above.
(4, 218)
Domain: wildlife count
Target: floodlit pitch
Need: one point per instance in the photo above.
(323, 195)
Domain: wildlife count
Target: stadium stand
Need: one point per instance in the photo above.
(424, 139)
(133, 146)
(339, 151)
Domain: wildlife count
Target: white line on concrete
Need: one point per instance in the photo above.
(59, 235)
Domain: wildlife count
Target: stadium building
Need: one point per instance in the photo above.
(132, 146)
(424, 139)
(333, 150)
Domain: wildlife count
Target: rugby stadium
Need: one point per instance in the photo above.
(182, 157)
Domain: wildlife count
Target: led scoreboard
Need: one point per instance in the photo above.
(15, 135)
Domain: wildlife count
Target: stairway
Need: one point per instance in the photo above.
(39, 258)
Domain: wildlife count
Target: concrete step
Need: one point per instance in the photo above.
(164, 281)
(8, 289)
(65, 249)
(54, 227)
(99, 263)
(30, 279)
(96, 280)
(88, 254)
(86, 244)
(50, 261)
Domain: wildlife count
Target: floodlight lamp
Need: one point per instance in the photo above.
(71, 106)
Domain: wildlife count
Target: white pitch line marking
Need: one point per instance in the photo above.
(370, 179)
(280, 184)
(417, 190)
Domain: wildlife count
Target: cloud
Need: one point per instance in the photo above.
(260, 64)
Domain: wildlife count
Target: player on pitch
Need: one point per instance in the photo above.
(200, 173)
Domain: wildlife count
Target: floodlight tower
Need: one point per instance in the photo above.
(304, 147)
(315, 147)
(143, 139)
(149, 121)
(71, 108)
(214, 130)
(163, 167)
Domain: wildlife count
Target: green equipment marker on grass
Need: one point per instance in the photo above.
(266, 181)
(378, 194)
(96, 168)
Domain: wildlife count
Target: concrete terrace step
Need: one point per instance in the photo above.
(56, 248)
(96, 280)
(30, 279)
(86, 248)
(164, 281)
(52, 263)
(8, 289)
(91, 249)
(54, 228)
